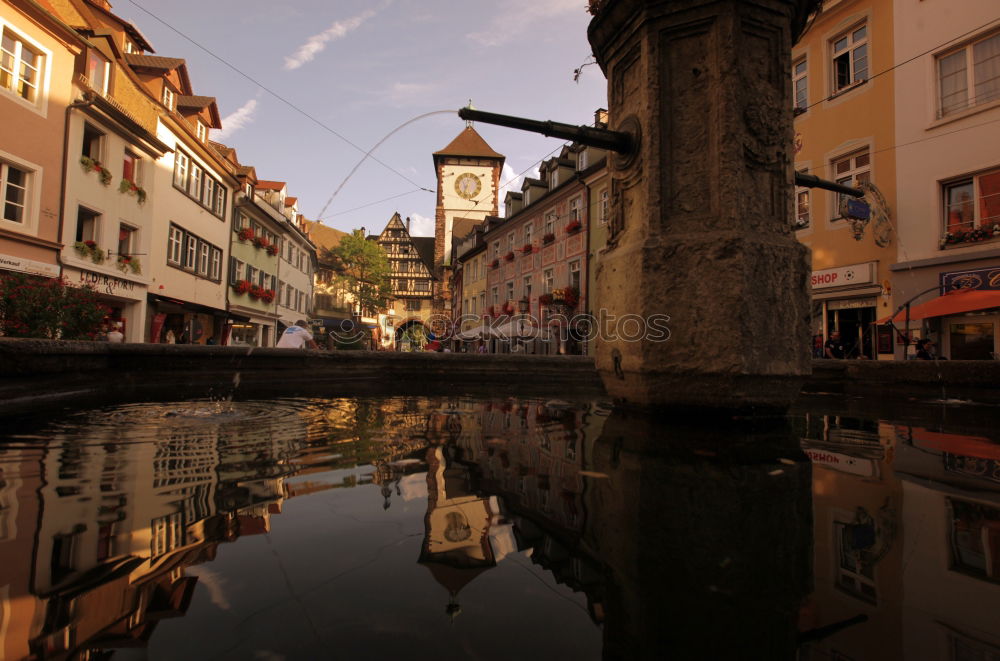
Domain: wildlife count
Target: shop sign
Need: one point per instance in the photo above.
(108, 284)
(11, 263)
(844, 276)
(852, 303)
(988, 278)
(841, 462)
(987, 469)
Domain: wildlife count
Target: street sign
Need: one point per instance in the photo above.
(853, 209)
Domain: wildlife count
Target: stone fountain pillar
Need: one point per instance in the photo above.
(700, 225)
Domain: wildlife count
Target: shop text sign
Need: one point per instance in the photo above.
(108, 284)
(11, 263)
(843, 276)
(988, 278)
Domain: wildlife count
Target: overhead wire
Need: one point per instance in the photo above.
(275, 94)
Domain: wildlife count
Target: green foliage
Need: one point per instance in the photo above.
(363, 270)
(48, 308)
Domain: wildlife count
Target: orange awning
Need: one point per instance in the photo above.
(954, 302)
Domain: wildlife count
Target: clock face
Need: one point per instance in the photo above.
(467, 185)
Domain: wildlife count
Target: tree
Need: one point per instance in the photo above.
(363, 270)
(32, 306)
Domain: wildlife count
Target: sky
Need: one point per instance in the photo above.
(299, 82)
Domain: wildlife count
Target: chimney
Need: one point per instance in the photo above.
(407, 224)
(601, 118)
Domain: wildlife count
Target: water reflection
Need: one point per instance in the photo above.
(504, 528)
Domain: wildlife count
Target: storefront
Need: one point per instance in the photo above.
(125, 298)
(961, 314)
(173, 321)
(848, 299)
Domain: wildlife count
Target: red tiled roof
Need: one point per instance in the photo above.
(153, 61)
(290, 201)
(192, 101)
(469, 143)
(270, 185)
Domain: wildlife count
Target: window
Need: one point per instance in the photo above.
(203, 257)
(496, 295)
(510, 291)
(800, 85)
(20, 67)
(496, 250)
(14, 191)
(168, 98)
(850, 58)
(126, 239)
(181, 162)
(187, 251)
(974, 538)
(605, 200)
(97, 71)
(801, 208)
(87, 223)
(202, 131)
(550, 223)
(198, 185)
(956, 77)
(130, 167)
(242, 222)
(422, 285)
(235, 270)
(510, 242)
(802, 200)
(413, 305)
(527, 287)
(175, 241)
(93, 140)
(574, 274)
(576, 209)
(851, 170)
(973, 202)
(191, 251)
(581, 161)
(549, 280)
(527, 233)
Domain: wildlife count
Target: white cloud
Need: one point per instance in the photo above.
(510, 181)
(236, 120)
(421, 225)
(315, 44)
(518, 16)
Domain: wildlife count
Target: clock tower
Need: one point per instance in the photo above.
(468, 184)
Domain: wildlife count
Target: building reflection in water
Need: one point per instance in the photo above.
(830, 537)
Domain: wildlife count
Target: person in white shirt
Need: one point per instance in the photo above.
(296, 337)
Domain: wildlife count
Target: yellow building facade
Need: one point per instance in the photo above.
(843, 90)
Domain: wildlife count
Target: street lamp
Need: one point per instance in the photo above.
(523, 305)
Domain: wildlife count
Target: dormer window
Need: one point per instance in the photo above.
(97, 71)
(168, 98)
(581, 162)
(249, 190)
(202, 132)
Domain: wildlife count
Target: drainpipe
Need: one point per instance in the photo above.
(590, 221)
(88, 100)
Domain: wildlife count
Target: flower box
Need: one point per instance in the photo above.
(573, 226)
(245, 234)
(272, 250)
(495, 263)
(129, 263)
(267, 295)
(242, 286)
(548, 238)
(260, 242)
(970, 236)
(545, 299)
(509, 257)
(93, 165)
(89, 249)
(132, 188)
(527, 249)
(508, 308)
(255, 292)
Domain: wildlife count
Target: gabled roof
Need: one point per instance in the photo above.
(425, 248)
(192, 101)
(469, 143)
(263, 184)
(323, 236)
(462, 227)
(290, 201)
(225, 151)
(153, 61)
(133, 31)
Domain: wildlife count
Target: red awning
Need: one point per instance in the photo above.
(954, 302)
